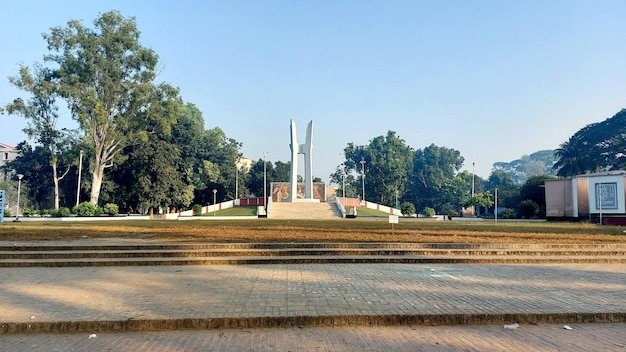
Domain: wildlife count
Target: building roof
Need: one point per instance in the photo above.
(6, 146)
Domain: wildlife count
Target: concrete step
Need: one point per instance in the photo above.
(298, 253)
(303, 210)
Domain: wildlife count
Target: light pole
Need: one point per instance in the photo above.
(236, 182)
(19, 188)
(472, 180)
(80, 169)
(363, 177)
(214, 200)
(264, 184)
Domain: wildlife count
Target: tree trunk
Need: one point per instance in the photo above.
(96, 183)
(55, 179)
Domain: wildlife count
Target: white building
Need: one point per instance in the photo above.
(598, 198)
(7, 153)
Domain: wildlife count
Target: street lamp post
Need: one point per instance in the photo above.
(214, 200)
(363, 177)
(264, 184)
(19, 189)
(80, 169)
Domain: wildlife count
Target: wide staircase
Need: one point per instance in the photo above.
(102, 254)
(303, 210)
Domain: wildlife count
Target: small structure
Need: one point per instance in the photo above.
(598, 198)
(7, 154)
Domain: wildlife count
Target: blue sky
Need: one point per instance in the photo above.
(493, 79)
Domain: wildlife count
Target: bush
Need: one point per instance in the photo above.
(7, 212)
(111, 209)
(28, 211)
(98, 212)
(197, 209)
(528, 208)
(428, 211)
(407, 209)
(61, 212)
(84, 209)
(508, 213)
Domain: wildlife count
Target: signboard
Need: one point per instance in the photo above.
(393, 219)
(606, 195)
(1, 205)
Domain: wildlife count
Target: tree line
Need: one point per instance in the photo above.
(155, 152)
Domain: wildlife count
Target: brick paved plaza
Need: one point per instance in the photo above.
(290, 307)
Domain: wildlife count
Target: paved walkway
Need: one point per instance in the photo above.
(290, 307)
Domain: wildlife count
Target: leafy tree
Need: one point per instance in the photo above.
(432, 181)
(428, 211)
(34, 164)
(407, 208)
(538, 163)
(42, 114)
(529, 209)
(106, 77)
(534, 189)
(387, 161)
(482, 199)
(508, 190)
(595, 147)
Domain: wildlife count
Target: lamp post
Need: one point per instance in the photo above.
(363, 177)
(19, 188)
(264, 184)
(472, 180)
(80, 169)
(236, 182)
(214, 200)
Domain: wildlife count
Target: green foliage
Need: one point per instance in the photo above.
(528, 209)
(482, 199)
(84, 209)
(62, 212)
(508, 213)
(7, 212)
(428, 211)
(538, 163)
(98, 212)
(29, 211)
(111, 209)
(197, 209)
(534, 189)
(407, 208)
(595, 147)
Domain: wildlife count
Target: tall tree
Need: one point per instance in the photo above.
(41, 112)
(434, 168)
(508, 190)
(387, 161)
(106, 77)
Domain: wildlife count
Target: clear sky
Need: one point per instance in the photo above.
(493, 79)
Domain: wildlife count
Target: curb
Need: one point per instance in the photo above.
(132, 325)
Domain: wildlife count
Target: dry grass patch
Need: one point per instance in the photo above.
(340, 230)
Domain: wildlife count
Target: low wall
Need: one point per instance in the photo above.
(355, 202)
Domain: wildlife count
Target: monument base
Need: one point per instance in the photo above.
(302, 200)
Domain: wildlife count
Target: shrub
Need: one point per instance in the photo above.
(197, 209)
(61, 212)
(7, 212)
(111, 209)
(84, 209)
(428, 211)
(29, 211)
(528, 208)
(98, 212)
(508, 213)
(407, 209)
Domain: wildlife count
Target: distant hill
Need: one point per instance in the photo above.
(538, 163)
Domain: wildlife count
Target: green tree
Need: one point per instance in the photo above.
(432, 181)
(407, 208)
(508, 190)
(106, 76)
(34, 164)
(41, 112)
(387, 161)
(534, 189)
(528, 209)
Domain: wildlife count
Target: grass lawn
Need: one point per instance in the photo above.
(339, 230)
(234, 211)
(364, 211)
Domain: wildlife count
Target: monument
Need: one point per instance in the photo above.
(307, 150)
